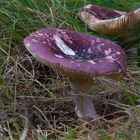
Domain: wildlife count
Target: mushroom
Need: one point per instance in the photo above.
(80, 57)
(108, 21)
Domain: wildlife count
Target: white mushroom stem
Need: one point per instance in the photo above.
(84, 107)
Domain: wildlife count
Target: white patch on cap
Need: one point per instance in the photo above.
(108, 51)
(40, 34)
(92, 62)
(88, 6)
(92, 42)
(118, 53)
(62, 46)
(59, 56)
(28, 45)
(110, 57)
(101, 44)
(46, 35)
(36, 35)
(44, 42)
(111, 61)
(34, 40)
(89, 50)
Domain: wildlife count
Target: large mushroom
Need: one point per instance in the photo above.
(108, 21)
(80, 57)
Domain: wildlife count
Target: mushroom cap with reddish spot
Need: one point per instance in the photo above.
(76, 54)
(108, 21)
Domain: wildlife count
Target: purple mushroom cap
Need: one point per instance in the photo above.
(76, 54)
(108, 21)
(79, 57)
(102, 13)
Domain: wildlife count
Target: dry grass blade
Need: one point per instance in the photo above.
(18, 64)
(25, 130)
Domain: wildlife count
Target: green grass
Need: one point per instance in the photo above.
(35, 99)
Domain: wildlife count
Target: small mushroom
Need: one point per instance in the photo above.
(108, 21)
(80, 57)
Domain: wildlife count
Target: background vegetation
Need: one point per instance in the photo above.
(35, 102)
